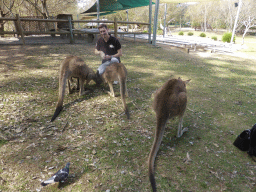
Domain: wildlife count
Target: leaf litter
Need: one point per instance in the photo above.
(28, 107)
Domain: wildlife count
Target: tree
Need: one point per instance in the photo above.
(196, 13)
(40, 8)
(213, 14)
(249, 23)
(5, 10)
(247, 17)
(45, 8)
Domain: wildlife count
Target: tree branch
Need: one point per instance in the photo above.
(36, 7)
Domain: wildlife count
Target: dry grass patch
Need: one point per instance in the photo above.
(106, 150)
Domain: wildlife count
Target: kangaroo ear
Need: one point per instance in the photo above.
(187, 81)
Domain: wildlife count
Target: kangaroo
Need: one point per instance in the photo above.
(72, 67)
(117, 72)
(170, 101)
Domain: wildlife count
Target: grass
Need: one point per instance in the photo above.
(249, 44)
(249, 40)
(209, 33)
(109, 152)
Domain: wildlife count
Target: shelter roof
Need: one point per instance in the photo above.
(184, 1)
(109, 6)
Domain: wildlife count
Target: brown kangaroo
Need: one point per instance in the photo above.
(170, 101)
(72, 67)
(117, 72)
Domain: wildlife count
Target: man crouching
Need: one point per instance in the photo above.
(109, 48)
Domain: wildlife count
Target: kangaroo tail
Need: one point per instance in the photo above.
(56, 113)
(151, 160)
(122, 93)
(62, 86)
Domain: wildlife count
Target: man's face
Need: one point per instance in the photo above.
(103, 32)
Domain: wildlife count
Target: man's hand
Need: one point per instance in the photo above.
(108, 57)
(102, 55)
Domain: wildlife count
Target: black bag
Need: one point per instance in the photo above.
(252, 145)
(242, 141)
(246, 141)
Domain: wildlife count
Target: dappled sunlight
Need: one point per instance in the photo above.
(93, 133)
(231, 70)
(56, 55)
(251, 68)
(223, 73)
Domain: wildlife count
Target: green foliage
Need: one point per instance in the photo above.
(159, 32)
(227, 37)
(222, 25)
(195, 24)
(214, 38)
(202, 35)
(181, 33)
(145, 31)
(190, 33)
(2, 142)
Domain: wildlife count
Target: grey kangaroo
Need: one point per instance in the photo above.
(72, 67)
(117, 72)
(170, 101)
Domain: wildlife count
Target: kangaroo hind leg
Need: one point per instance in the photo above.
(111, 92)
(180, 130)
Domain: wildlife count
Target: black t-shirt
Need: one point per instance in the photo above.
(110, 47)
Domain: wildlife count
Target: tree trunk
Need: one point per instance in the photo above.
(245, 31)
(2, 23)
(45, 9)
(205, 27)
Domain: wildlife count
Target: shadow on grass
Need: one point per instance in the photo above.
(220, 100)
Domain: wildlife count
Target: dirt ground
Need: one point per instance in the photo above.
(45, 40)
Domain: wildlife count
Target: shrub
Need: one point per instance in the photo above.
(181, 33)
(227, 37)
(196, 25)
(202, 35)
(214, 38)
(190, 33)
(159, 32)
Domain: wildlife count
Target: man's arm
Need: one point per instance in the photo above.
(118, 54)
(101, 53)
(96, 52)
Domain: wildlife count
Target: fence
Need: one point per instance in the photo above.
(51, 29)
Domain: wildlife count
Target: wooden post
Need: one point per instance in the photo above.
(71, 30)
(115, 27)
(2, 23)
(20, 30)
